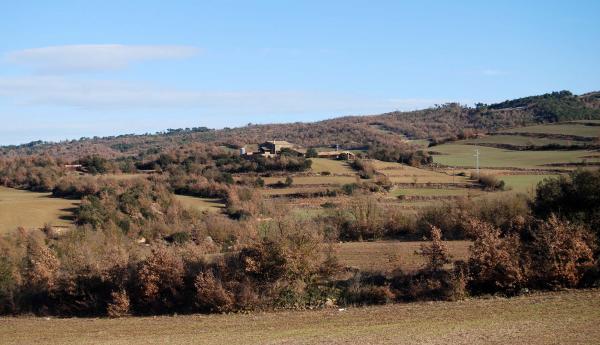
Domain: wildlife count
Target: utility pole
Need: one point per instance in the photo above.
(477, 162)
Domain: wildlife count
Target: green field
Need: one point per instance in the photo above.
(463, 156)
(523, 183)
(33, 210)
(521, 140)
(561, 128)
(320, 165)
(568, 317)
(201, 204)
(434, 191)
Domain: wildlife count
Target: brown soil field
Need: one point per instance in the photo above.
(389, 255)
(568, 317)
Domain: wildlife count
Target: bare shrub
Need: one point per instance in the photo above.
(490, 182)
(436, 253)
(211, 295)
(560, 252)
(494, 260)
(119, 304)
(160, 280)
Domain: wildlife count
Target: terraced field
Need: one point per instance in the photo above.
(292, 190)
(435, 192)
(523, 183)
(390, 255)
(562, 128)
(461, 155)
(401, 173)
(521, 140)
(320, 165)
(314, 180)
(33, 210)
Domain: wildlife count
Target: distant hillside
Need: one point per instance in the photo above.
(388, 131)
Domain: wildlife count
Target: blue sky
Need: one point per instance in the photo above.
(85, 68)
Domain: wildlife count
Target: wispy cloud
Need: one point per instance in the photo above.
(70, 92)
(94, 57)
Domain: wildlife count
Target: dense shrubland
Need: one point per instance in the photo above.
(136, 250)
(212, 263)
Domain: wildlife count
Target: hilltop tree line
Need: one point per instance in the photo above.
(439, 123)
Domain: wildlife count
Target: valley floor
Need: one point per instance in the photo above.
(570, 317)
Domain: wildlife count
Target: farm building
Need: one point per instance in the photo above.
(273, 148)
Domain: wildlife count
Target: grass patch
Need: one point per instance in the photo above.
(201, 204)
(463, 156)
(401, 173)
(320, 165)
(434, 191)
(292, 190)
(314, 180)
(562, 128)
(523, 183)
(33, 210)
(390, 255)
(521, 140)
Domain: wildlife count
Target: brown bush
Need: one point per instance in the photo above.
(119, 305)
(436, 253)
(560, 252)
(41, 265)
(211, 295)
(160, 280)
(494, 260)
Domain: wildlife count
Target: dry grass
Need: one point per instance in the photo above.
(33, 210)
(401, 173)
(201, 204)
(320, 165)
(389, 255)
(569, 317)
(292, 190)
(123, 177)
(314, 180)
(435, 191)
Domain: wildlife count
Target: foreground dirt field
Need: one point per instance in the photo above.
(570, 317)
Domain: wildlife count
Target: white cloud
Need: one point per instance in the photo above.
(94, 57)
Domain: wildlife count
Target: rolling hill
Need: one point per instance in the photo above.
(389, 130)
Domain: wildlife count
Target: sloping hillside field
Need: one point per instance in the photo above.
(461, 155)
(33, 210)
